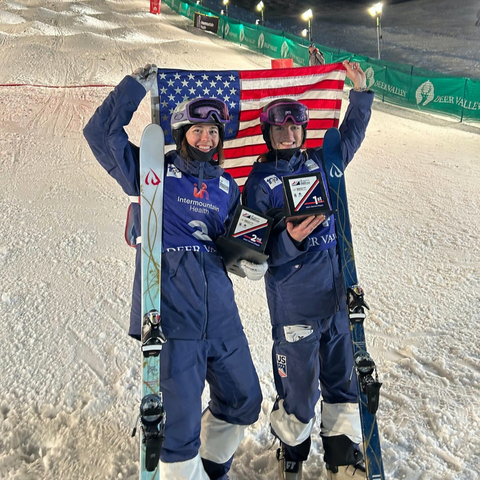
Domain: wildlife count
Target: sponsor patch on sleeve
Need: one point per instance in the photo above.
(273, 181)
(224, 184)
(173, 171)
(311, 165)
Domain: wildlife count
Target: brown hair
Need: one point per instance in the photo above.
(183, 151)
(262, 158)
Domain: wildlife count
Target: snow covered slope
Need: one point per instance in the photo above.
(69, 376)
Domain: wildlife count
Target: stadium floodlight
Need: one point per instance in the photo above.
(376, 11)
(261, 8)
(225, 2)
(305, 32)
(307, 16)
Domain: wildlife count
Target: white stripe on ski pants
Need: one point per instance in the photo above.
(337, 419)
(341, 419)
(219, 442)
(188, 470)
(288, 427)
(219, 439)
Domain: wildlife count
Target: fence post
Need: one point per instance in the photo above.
(383, 90)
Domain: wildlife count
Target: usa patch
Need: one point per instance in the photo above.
(173, 171)
(273, 181)
(282, 365)
(311, 165)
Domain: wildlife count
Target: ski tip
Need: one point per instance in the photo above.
(153, 129)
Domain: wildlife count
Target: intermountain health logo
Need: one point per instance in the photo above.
(227, 29)
(425, 93)
(200, 193)
(370, 74)
(242, 35)
(261, 41)
(285, 51)
(188, 12)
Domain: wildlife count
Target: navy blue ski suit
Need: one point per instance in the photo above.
(199, 315)
(306, 300)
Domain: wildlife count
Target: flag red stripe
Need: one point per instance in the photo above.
(237, 172)
(314, 124)
(320, 104)
(290, 72)
(289, 91)
(245, 151)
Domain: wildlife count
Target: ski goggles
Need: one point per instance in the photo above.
(204, 110)
(280, 113)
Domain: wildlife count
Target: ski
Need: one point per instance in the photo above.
(152, 414)
(368, 386)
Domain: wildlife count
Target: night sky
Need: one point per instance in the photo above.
(277, 8)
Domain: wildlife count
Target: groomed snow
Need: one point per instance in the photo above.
(69, 388)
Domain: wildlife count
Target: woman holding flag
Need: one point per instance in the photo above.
(200, 319)
(305, 293)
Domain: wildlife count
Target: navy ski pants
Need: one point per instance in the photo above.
(324, 356)
(235, 395)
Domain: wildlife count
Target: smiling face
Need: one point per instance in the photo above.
(286, 136)
(204, 136)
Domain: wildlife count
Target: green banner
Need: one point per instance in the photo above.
(471, 101)
(232, 31)
(249, 37)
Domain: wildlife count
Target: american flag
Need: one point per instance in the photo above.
(246, 92)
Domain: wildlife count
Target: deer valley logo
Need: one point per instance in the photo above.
(242, 34)
(200, 193)
(370, 74)
(285, 51)
(261, 40)
(152, 178)
(425, 93)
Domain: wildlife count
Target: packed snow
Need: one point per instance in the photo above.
(70, 375)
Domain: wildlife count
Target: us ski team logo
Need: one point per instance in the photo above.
(282, 365)
(153, 179)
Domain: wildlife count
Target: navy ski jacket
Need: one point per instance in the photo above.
(197, 295)
(304, 283)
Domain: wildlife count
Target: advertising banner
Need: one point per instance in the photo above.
(205, 22)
